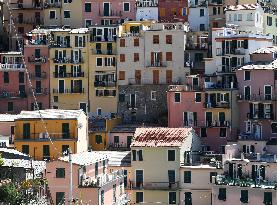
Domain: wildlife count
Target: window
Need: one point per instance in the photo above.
(114, 193)
(99, 62)
(211, 176)
(202, 27)
(168, 56)
(172, 198)
(156, 39)
(60, 198)
(136, 57)
(201, 12)
(203, 132)
(60, 172)
(222, 132)
(98, 139)
(10, 106)
(21, 77)
(168, 39)
(190, 119)
(214, 11)
(66, 14)
(65, 149)
(122, 57)
(25, 149)
(235, 17)
(268, 198)
(187, 176)
(244, 196)
(52, 14)
(239, 17)
(153, 95)
(88, 23)
(6, 77)
(99, 111)
(246, 75)
(247, 92)
(121, 75)
(136, 42)
(122, 43)
(139, 197)
(137, 155)
(269, 21)
(197, 97)
(188, 199)
(222, 194)
(102, 198)
(126, 6)
(249, 17)
(267, 92)
(26, 130)
(274, 128)
(170, 155)
(116, 139)
(96, 169)
(87, 7)
(177, 97)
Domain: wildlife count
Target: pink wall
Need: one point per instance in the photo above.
(168, 6)
(122, 137)
(116, 8)
(262, 57)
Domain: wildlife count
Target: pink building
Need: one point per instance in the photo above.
(173, 11)
(208, 107)
(92, 184)
(107, 12)
(257, 96)
(13, 96)
(36, 57)
(7, 128)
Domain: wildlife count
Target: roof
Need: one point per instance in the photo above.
(118, 158)
(12, 151)
(11, 53)
(79, 30)
(242, 7)
(267, 50)
(51, 114)
(160, 137)
(260, 66)
(86, 158)
(7, 117)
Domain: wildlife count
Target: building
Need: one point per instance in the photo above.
(150, 56)
(160, 150)
(7, 129)
(147, 10)
(173, 11)
(99, 128)
(247, 17)
(13, 94)
(102, 66)
(69, 69)
(92, 183)
(36, 53)
(257, 96)
(107, 12)
(25, 14)
(269, 24)
(249, 177)
(49, 139)
(198, 16)
(216, 13)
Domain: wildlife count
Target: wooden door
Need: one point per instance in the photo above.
(156, 77)
(138, 76)
(169, 76)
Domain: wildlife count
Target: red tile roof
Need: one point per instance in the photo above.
(160, 137)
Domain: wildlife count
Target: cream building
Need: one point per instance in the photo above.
(270, 25)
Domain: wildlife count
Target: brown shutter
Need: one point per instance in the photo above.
(121, 75)
(168, 56)
(152, 58)
(169, 76)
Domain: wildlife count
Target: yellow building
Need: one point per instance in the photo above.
(69, 69)
(102, 65)
(270, 25)
(66, 129)
(99, 129)
(59, 14)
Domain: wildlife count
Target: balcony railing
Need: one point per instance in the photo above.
(249, 136)
(42, 59)
(52, 5)
(112, 13)
(40, 91)
(104, 38)
(69, 75)
(15, 66)
(29, 20)
(69, 91)
(212, 85)
(55, 44)
(157, 64)
(41, 75)
(104, 84)
(147, 4)
(261, 115)
(17, 94)
(154, 185)
(45, 137)
(37, 5)
(197, 46)
(118, 146)
(214, 123)
(256, 97)
(100, 52)
(68, 60)
(216, 105)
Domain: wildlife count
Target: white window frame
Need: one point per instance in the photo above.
(267, 108)
(69, 14)
(97, 111)
(126, 2)
(84, 103)
(88, 20)
(255, 109)
(180, 97)
(85, 7)
(174, 156)
(109, 62)
(270, 90)
(195, 97)
(153, 92)
(244, 90)
(239, 17)
(244, 75)
(55, 14)
(109, 7)
(96, 62)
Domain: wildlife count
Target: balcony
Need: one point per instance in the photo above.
(197, 46)
(32, 21)
(119, 147)
(260, 115)
(38, 76)
(15, 66)
(157, 64)
(104, 84)
(101, 38)
(68, 60)
(41, 91)
(210, 105)
(36, 42)
(45, 137)
(226, 70)
(239, 51)
(69, 75)
(40, 60)
(52, 5)
(55, 44)
(218, 86)
(100, 52)
(19, 6)
(69, 91)
(256, 97)
(215, 124)
(100, 180)
(154, 185)
(144, 4)
(111, 14)
(10, 95)
(250, 136)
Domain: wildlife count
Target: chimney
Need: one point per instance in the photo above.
(258, 156)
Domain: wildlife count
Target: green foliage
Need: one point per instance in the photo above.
(1, 161)
(9, 194)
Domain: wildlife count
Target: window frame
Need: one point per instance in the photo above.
(168, 155)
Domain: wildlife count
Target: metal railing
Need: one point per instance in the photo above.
(69, 91)
(41, 59)
(68, 60)
(103, 52)
(154, 185)
(41, 75)
(216, 105)
(14, 66)
(68, 75)
(16, 94)
(39, 91)
(157, 64)
(198, 123)
(257, 97)
(112, 13)
(104, 84)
